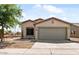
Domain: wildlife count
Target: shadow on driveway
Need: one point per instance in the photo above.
(55, 41)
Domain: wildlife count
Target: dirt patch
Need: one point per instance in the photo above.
(16, 44)
(21, 45)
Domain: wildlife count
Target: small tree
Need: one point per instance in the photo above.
(9, 16)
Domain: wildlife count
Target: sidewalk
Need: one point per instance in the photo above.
(39, 51)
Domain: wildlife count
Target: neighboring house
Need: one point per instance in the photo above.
(75, 30)
(51, 28)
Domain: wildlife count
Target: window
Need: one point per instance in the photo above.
(73, 32)
(30, 31)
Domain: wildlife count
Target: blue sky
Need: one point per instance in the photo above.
(66, 12)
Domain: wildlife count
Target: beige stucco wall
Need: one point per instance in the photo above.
(53, 23)
(24, 26)
(77, 32)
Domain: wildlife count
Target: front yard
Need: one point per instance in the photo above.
(21, 44)
(16, 43)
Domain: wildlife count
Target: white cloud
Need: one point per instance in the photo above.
(37, 5)
(52, 15)
(65, 18)
(50, 8)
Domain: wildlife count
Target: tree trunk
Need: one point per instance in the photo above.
(2, 33)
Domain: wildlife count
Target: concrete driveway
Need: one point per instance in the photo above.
(64, 47)
(59, 44)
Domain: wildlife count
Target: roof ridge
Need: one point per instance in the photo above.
(38, 19)
(27, 20)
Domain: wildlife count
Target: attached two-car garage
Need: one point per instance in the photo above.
(52, 33)
(53, 30)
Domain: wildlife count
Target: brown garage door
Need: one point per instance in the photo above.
(55, 33)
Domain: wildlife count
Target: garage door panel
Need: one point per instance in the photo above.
(52, 33)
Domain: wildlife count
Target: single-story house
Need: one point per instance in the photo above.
(51, 29)
(75, 30)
